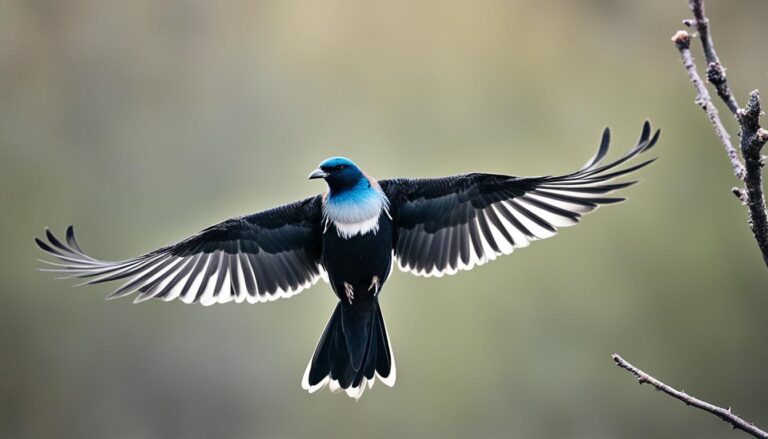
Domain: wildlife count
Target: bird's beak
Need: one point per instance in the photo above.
(318, 173)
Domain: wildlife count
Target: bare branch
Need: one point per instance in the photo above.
(683, 43)
(715, 70)
(753, 137)
(724, 414)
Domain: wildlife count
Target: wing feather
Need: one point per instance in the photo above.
(455, 223)
(254, 258)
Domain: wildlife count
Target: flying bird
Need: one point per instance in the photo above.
(351, 236)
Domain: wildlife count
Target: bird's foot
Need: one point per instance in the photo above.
(350, 292)
(375, 285)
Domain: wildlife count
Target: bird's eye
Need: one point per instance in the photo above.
(340, 167)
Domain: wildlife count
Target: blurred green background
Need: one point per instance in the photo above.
(142, 122)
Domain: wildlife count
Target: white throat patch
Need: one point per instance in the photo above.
(356, 211)
(348, 230)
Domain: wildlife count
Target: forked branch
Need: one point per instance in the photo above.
(753, 137)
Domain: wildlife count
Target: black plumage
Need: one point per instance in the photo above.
(446, 224)
(354, 345)
(351, 236)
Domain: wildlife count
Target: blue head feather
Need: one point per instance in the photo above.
(343, 174)
(352, 195)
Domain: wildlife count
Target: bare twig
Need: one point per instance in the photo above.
(683, 43)
(753, 137)
(724, 414)
(715, 70)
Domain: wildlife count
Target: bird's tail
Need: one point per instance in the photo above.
(352, 352)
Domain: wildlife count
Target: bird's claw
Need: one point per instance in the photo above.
(350, 292)
(375, 285)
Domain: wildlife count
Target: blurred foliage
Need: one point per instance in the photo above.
(142, 122)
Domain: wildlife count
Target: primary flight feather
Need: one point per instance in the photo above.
(349, 235)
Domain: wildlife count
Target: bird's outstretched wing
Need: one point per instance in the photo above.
(448, 224)
(254, 258)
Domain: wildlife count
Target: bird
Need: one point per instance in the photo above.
(352, 235)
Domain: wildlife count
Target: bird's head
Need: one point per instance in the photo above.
(340, 173)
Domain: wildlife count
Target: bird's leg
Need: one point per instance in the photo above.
(375, 285)
(350, 292)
